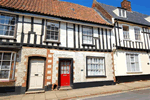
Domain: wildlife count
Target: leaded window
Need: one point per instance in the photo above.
(137, 34)
(7, 63)
(132, 61)
(95, 66)
(87, 35)
(52, 31)
(7, 25)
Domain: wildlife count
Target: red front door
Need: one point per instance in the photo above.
(65, 73)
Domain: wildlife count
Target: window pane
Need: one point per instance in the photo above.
(11, 33)
(7, 56)
(6, 65)
(4, 74)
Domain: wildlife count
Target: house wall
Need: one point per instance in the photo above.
(121, 66)
(79, 64)
(142, 44)
(70, 35)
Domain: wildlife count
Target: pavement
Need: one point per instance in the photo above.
(80, 93)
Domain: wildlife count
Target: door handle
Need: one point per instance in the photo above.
(36, 74)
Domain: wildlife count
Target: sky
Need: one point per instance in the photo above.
(142, 6)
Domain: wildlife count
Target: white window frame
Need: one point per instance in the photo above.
(122, 12)
(58, 25)
(128, 31)
(103, 74)
(140, 34)
(140, 69)
(8, 36)
(88, 27)
(11, 59)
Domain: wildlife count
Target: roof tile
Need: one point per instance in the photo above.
(55, 8)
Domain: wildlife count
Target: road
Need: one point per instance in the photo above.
(131, 95)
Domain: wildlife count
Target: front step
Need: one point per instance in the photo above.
(33, 92)
(65, 88)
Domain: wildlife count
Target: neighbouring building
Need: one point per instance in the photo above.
(47, 44)
(132, 40)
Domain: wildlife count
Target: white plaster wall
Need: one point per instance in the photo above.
(116, 11)
(131, 33)
(70, 36)
(120, 63)
(63, 34)
(80, 63)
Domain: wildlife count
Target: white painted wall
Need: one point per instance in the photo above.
(37, 26)
(121, 67)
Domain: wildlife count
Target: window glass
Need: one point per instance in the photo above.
(7, 25)
(132, 63)
(52, 31)
(95, 66)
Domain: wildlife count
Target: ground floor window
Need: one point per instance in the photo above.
(7, 63)
(95, 66)
(132, 62)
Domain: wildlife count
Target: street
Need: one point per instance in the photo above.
(132, 95)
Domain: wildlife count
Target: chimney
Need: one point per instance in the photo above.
(126, 5)
(94, 3)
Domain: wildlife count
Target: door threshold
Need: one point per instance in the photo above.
(65, 88)
(34, 91)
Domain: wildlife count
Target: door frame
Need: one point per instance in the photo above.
(71, 71)
(28, 72)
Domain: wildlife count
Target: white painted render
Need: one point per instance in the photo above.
(121, 66)
(116, 11)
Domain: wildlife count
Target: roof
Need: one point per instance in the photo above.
(133, 16)
(55, 8)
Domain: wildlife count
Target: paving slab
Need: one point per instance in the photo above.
(40, 96)
(50, 96)
(28, 97)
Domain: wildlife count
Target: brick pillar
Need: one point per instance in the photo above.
(49, 68)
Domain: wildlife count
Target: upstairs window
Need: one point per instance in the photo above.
(87, 35)
(52, 31)
(7, 25)
(122, 13)
(132, 62)
(137, 34)
(126, 32)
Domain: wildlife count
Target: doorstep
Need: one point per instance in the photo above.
(65, 88)
(36, 91)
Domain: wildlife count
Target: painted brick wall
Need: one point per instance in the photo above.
(80, 63)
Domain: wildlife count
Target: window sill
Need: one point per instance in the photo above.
(134, 72)
(52, 42)
(138, 41)
(8, 37)
(88, 45)
(7, 81)
(101, 76)
(127, 40)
